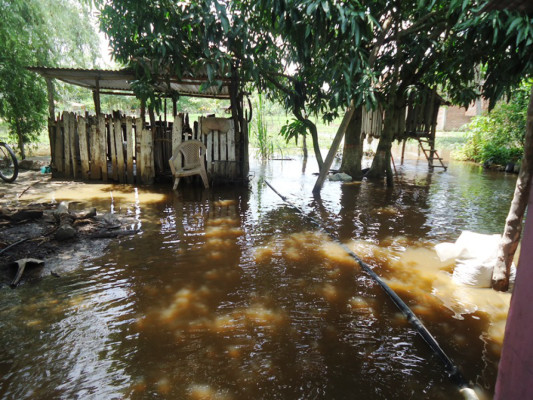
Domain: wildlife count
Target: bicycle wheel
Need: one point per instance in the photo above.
(9, 168)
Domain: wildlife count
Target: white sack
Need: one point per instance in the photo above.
(475, 255)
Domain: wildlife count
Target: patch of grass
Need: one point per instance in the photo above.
(450, 140)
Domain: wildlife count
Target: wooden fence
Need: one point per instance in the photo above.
(125, 150)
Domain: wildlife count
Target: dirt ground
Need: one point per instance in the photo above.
(33, 229)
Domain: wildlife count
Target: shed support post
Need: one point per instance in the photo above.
(51, 107)
(96, 97)
(51, 118)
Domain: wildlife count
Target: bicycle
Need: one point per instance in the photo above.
(9, 167)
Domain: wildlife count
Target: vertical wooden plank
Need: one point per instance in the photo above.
(113, 148)
(223, 154)
(177, 135)
(102, 146)
(147, 164)
(223, 146)
(94, 153)
(59, 147)
(199, 133)
(66, 144)
(84, 150)
(158, 148)
(195, 130)
(138, 159)
(245, 157)
(216, 153)
(119, 148)
(74, 143)
(129, 149)
(232, 171)
(209, 154)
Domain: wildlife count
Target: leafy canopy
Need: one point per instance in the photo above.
(38, 32)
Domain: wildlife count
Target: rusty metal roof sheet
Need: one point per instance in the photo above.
(121, 81)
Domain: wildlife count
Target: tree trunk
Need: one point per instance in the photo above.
(353, 146)
(20, 139)
(316, 147)
(381, 164)
(513, 223)
(311, 127)
(304, 147)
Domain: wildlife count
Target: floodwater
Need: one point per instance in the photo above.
(228, 293)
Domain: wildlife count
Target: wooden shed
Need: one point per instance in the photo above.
(417, 120)
(129, 149)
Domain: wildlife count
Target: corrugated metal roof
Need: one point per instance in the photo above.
(109, 80)
(518, 5)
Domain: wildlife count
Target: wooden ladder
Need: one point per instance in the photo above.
(427, 152)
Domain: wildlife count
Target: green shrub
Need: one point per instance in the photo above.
(498, 136)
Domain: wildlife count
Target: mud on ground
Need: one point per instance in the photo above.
(33, 229)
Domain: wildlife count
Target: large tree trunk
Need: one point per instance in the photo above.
(513, 223)
(353, 146)
(20, 138)
(381, 164)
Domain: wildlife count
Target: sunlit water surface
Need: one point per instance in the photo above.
(228, 293)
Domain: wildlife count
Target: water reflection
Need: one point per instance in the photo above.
(229, 294)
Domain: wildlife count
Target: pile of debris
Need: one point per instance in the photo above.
(31, 234)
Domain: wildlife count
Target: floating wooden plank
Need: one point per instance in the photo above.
(129, 150)
(84, 150)
(74, 145)
(147, 157)
(102, 146)
(119, 147)
(215, 124)
(59, 147)
(66, 144)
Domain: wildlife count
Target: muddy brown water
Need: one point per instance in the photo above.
(229, 294)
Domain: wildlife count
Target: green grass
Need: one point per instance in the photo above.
(450, 140)
(326, 133)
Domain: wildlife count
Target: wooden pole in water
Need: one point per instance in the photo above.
(333, 149)
(403, 150)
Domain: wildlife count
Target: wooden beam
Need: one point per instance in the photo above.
(51, 106)
(333, 149)
(96, 97)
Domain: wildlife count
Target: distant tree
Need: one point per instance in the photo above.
(277, 47)
(38, 32)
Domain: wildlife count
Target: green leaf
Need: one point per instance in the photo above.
(325, 7)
